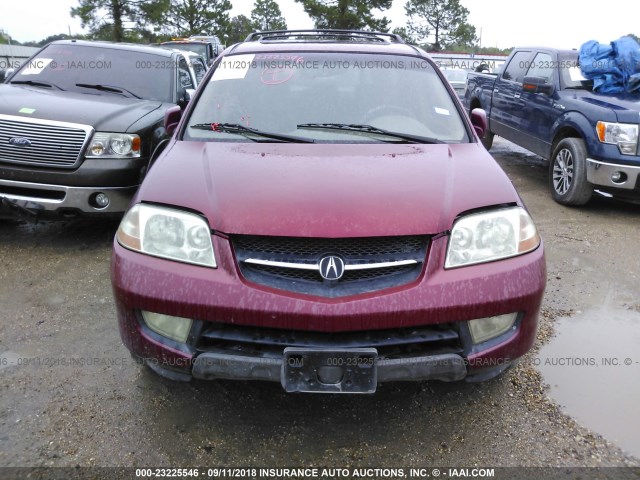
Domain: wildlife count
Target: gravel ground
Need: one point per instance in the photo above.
(105, 410)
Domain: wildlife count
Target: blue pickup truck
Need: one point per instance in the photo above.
(541, 102)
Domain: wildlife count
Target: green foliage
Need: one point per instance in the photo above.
(4, 37)
(347, 14)
(266, 15)
(183, 18)
(443, 20)
(238, 29)
(120, 20)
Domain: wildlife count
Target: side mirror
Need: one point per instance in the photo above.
(538, 85)
(171, 119)
(479, 121)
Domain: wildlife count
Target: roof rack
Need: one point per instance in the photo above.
(324, 34)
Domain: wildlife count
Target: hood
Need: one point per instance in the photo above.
(325, 190)
(104, 112)
(626, 106)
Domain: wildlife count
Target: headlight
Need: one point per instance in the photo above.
(625, 135)
(484, 237)
(484, 329)
(167, 233)
(114, 145)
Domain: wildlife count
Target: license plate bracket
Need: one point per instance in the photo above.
(351, 370)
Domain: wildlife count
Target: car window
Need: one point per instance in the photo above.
(542, 66)
(184, 76)
(66, 65)
(199, 69)
(517, 66)
(278, 92)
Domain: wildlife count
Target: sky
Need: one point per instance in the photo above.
(503, 23)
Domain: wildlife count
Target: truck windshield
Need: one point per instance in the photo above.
(339, 93)
(66, 66)
(195, 47)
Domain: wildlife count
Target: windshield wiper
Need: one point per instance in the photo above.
(247, 132)
(367, 129)
(107, 88)
(36, 83)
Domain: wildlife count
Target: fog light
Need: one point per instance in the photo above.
(484, 329)
(175, 328)
(619, 177)
(102, 200)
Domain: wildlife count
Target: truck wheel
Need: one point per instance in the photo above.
(568, 173)
(487, 141)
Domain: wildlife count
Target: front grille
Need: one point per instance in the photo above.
(390, 344)
(44, 143)
(289, 254)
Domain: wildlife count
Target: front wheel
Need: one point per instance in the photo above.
(568, 173)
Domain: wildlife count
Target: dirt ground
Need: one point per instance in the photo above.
(71, 395)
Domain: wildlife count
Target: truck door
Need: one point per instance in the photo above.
(506, 102)
(538, 113)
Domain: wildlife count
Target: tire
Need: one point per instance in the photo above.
(487, 140)
(568, 173)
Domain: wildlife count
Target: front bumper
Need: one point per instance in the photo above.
(223, 297)
(600, 173)
(45, 199)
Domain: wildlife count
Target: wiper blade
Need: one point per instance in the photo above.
(36, 83)
(250, 133)
(368, 129)
(108, 88)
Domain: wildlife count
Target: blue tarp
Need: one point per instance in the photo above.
(614, 68)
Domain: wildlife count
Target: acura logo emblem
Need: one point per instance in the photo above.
(20, 142)
(331, 267)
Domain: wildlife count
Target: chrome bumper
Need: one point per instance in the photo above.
(39, 197)
(599, 173)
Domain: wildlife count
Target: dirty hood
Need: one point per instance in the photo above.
(324, 190)
(104, 112)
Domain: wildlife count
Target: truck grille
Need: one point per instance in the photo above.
(293, 263)
(41, 142)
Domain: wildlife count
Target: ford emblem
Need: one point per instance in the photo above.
(20, 142)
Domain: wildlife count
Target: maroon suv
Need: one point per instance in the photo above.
(325, 217)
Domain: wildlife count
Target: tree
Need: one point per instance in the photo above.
(444, 20)
(347, 14)
(266, 15)
(238, 29)
(407, 37)
(195, 17)
(635, 37)
(116, 19)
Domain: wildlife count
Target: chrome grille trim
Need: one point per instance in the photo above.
(316, 267)
(53, 143)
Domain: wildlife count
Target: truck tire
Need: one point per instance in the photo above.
(568, 173)
(487, 140)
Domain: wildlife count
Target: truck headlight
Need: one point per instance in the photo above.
(625, 135)
(167, 233)
(488, 236)
(114, 145)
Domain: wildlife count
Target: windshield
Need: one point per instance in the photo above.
(64, 66)
(199, 48)
(285, 92)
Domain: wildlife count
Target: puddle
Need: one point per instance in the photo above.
(593, 368)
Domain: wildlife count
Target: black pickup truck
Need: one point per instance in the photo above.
(541, 102)
(80, 123)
